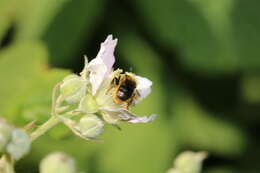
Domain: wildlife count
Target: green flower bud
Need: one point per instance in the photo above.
(173, 170)
(73, 88)
(190, 162)
(5, 134)
(91, 126)
(88, 104)
(110, 118)
(57, 162)
(19, 145)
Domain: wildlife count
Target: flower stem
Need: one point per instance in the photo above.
(54, 120)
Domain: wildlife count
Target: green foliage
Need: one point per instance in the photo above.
(32, 24)
(196, 125)
(212, 37)
(27, 82)
(221, 170)
(250, 88)
(81, 15)
(181, 45)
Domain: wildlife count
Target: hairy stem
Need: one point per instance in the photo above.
(54, 120)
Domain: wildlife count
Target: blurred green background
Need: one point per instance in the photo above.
(202, 55)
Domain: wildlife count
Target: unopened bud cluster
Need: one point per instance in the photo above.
(88, 101)
(13, 141)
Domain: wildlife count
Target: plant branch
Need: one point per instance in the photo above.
(54, 120)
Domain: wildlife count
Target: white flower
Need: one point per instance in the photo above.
(100, 98)
(101, 75)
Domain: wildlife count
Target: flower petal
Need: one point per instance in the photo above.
(143, 87)
(98, 71)
(143, 119)
(125, 115)
(101, 66)
(106, 52)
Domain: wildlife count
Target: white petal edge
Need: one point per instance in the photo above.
(143, 119)
(125, 115)
(102, 65)
(106, 52)
(143, 87)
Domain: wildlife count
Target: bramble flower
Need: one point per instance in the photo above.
(19, 144)
(101, 95)
(13, 141)
(58, 162)
(188, 162)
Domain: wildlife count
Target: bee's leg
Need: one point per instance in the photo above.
(117, 80)
(131, 100)
(112, 85)
(137, 94)
(129, 104)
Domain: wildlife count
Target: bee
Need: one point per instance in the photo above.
(125, 89)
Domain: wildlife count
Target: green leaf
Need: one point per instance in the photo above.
(27, 82)
(204, 131)
(19, 64)
(33, 23)
(4, 25)
(251, 88)
(36, 105)
(138, 148)
(215, 37)
(7, 11)
(222, 169)
(64, 40)
(48, 20)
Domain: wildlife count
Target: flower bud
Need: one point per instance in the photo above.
(19, 145)
(190, 162)
(57, 162)
(88, 104)
(5, 134)
(73, 88)
(91, 126)
(6, 164)
(111, 117)
(173, 170)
